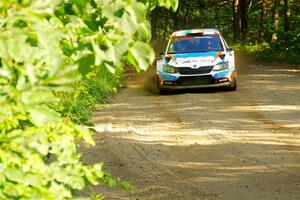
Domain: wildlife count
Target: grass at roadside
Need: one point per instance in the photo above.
(94, 88)
(270, 53)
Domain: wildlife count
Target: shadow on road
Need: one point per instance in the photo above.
(203, 144)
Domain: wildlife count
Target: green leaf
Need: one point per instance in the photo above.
(33, 180)
(43, 7)
(126, 21)
(90, 176)
(76, 182)
(41, 115)
(41, 95)
(119, 12)
(14, 174)
(141, 55)
(97, 168)
(86, 64)
(64, 76)
(88, 137)
(169, 4)
(126, 185)
(79, 6)
(137, 10)
(111, 182)
(110, 68)
(143, 32)
(40, 143)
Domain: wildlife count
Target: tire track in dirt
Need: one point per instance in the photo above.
(204, 144)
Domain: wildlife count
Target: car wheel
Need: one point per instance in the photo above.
(163, 91)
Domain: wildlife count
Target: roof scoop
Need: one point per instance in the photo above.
(195, 34)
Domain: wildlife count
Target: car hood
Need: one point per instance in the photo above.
(195, 60)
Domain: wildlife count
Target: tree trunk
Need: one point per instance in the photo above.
(175, 20)
(186, 15)
(275, 19)
(244, 4)
(154, 17)
(287, 15)
(263, 13)
(236, 20)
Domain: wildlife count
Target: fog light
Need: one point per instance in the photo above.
(221, 80)
(170, 83)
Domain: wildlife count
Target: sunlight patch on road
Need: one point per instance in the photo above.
(264, 108)
(191, 165)
(285, 70)
(110, 106)
(109, 127)
(208, 132)
(293, 126)
(274, 76)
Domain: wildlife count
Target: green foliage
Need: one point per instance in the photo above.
(46, 47)
(193, 14)
(94, 88)
(168, 4)
(43, 162)
(285, 50)
(258, 25)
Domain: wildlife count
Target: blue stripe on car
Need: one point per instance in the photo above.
(192, 55)
(167, 77)
(223, 74)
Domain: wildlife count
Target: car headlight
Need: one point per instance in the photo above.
(221, 66)
(169, 69)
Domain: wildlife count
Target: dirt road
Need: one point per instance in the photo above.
(205, 144)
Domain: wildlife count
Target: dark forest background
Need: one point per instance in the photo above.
(268, 29)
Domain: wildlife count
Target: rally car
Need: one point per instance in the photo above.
(197, 58)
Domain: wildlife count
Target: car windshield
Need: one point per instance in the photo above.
(193, 44)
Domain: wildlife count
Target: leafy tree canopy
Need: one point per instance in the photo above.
(46, 45)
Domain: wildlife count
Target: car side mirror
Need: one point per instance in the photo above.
(162, 53)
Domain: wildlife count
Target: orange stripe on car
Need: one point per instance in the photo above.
(161, 82)
(217, 56)
(232, 75)
(170, 56)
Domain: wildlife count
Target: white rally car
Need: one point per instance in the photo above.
(197, 58)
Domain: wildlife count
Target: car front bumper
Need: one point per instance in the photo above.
(224, 78)
(178, 87)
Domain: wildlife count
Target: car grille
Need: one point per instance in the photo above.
(195, 80)
(200, 70)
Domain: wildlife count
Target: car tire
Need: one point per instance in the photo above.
(163, 92)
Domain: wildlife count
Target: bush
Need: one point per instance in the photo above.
(94, 88)
(284, 50)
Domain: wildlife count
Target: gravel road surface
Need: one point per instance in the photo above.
(204, 144)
